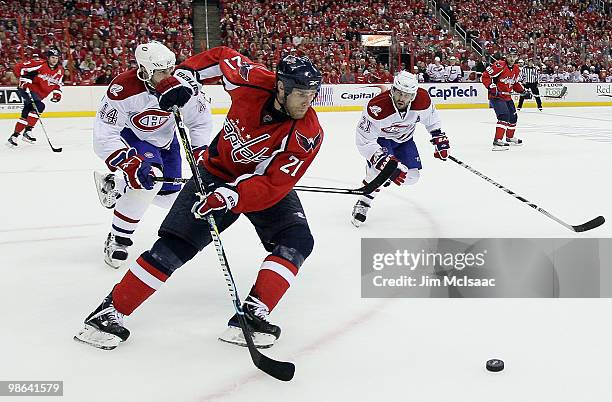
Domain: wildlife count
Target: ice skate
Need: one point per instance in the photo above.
(515, 142)
(104, 327)
(360, 210)
(115, 250)
(12, 141)
(28, 137)
(255, 313)
(105, 186)
(500, 145)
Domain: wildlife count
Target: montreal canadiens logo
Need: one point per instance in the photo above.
(150, 119)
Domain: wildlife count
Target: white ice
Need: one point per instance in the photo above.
(52, 274)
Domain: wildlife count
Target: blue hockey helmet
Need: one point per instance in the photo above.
(54, 51)
(298, 72)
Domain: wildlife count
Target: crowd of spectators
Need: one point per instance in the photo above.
(560, 35)
(97, 38)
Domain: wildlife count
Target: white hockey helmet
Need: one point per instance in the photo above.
(406, 82)
(153, 56)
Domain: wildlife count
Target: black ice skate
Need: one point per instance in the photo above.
(105, 186)
(12, 141)
(104, 327)
(27, 136)
(115, 250)
(515, 142)
(500, 145)
(360, 210)
(255, 313)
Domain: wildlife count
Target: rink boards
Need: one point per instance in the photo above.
(83, 101)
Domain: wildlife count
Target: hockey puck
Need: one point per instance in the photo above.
(495, 365)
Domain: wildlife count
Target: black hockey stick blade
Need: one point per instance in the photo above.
(283, 371)
(382, 177)
(592, 224)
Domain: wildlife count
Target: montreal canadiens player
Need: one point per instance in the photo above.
(37, 80)
(135, 137)
(501, 79)
(269, 138)
(386, 130)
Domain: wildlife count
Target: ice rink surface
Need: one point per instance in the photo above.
(52, 230)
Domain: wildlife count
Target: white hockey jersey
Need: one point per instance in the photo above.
(129, 104)
(435, 72)
(380, 118)
(453, 73)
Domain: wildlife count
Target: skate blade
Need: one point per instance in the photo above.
(515, 145)
(500, 148)
(105, 199)
(24, 139)
(96, 338)
(356, 223)
(235, 336)
(12, 146)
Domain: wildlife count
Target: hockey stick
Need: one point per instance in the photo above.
(41, 123)
(378, 181)
(592, 224)
(280, 370)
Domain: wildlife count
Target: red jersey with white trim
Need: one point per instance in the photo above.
(259, 151)
(44, 78)
(504, 77)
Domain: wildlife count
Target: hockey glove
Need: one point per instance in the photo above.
(440, 141)
(198, 154)
(221, 199)
(493, 91)
(56, 96)
(527, 94)
(137, 173)
(24, 83)
(172, 93)
(380, 159)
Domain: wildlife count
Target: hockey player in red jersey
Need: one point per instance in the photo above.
(501, 79)
(385, 131)
(37, 79)
(269, 138)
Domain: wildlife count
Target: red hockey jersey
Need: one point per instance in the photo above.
(504, 77)
(44, 78)
(259, 152)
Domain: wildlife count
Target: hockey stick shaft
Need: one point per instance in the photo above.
(40, 120)
(280, 370)
(367, 189)
(578, 228)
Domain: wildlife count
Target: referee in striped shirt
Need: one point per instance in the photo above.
(530, 75)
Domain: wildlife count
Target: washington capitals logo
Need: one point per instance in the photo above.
(244, 70)
(308, 144)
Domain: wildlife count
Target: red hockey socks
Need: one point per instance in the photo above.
(274, 278)
(137, 285)
(510, 130)
(500, 129)
(32, 119)
(20, 125)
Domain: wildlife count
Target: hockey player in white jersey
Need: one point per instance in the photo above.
(435, 71)
(452, 72)
(385, 132)
(135, 136)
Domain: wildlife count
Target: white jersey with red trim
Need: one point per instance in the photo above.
(259, 151)
(380, 118)
(128, 103)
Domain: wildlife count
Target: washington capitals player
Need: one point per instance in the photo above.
(386, 130)
(500, 79)
(270, 137)
(37, 79)
(135, 137)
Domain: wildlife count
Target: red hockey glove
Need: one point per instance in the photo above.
(440, 141)
(198, 154)
(221, 199)
(56, 96)
(172, 93)
(24, 83)
(137, 173)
